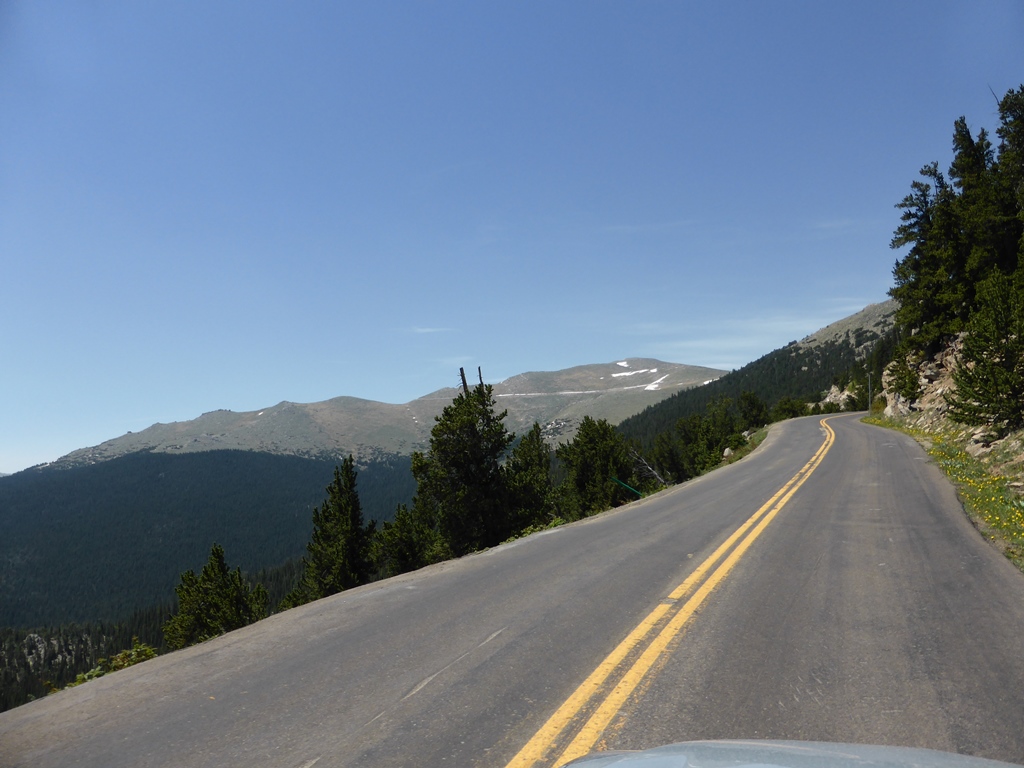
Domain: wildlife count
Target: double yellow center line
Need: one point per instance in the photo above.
(575, 728)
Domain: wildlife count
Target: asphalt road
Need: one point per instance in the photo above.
(858, 605)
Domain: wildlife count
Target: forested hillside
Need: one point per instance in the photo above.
(801, 371)
(98, 542)
(39, 661)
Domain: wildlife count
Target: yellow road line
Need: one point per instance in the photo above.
(544, 740)
(595, 726)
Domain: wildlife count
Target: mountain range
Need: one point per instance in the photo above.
(370, 430)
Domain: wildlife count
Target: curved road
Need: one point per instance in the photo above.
(827, 587)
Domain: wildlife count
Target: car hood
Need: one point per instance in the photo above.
(781, 754)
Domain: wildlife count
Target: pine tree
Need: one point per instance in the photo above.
(461, 484)
(928, 298)
(904, 379)
(529, 481)
(696, 444)
(960, 231)
(789, 408)
(989, 376)
(338, 553)
(1011, 157)
(410, 542)
(753, 411)
(596, 462)
(217, 601)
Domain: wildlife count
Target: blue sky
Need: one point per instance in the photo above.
(226, 205)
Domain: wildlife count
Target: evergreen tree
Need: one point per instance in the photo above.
(528, 472)
(338, 553)
(929, 300)
(960, 231)
(1011, 156)
(594, 460)
(409, 542)
(672, 456)
(698, 441)
(904, 380)
(789, 408)
(753, 411)
(702, 451)
(215, 602)
(989, 376)
(461, 484)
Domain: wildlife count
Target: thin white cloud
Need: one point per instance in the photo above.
(418, 329)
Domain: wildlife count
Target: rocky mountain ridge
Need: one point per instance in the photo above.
(369, 430)
(860, 329)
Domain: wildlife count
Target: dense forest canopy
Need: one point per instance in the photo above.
(100, 542)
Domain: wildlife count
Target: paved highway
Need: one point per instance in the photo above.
(827, 587)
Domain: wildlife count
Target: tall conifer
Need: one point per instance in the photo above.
(461, 483)
(338, 552)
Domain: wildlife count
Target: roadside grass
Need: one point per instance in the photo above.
(987, 484)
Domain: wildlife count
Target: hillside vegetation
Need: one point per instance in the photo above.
(122, 541)
(460, 498)
(842, 354)
(961, 283)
